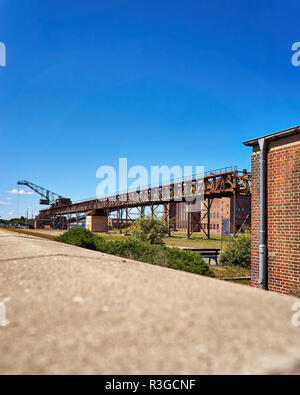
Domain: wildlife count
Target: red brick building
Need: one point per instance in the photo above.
(275, 228)
(221, 208)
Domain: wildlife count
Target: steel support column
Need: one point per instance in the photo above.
(234, 214)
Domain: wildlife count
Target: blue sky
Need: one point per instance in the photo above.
(159, 82)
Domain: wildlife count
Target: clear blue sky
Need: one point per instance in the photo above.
(161, 82)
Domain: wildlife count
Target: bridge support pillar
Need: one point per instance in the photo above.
(97, 222)
(170, 212)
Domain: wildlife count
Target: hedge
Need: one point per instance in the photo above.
(157, 255)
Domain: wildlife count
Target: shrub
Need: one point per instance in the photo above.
(80, 237)
(155, 254)
(237, 252)
(149, 230)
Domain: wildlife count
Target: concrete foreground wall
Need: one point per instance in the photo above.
(75, 311)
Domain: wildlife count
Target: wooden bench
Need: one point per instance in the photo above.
(208, 253)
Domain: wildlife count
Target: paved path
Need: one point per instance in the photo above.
(72, 310)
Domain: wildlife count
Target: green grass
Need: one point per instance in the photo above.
(132, 249)
(177, 240)
(112, 236)
(197, 240)
(230, 272)
(242, 282)
(30, 233)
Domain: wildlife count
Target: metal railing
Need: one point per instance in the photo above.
(199, 176)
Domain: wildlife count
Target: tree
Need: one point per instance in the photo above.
(149, 230)
(238, 252)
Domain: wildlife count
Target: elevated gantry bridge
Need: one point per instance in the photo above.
(220, 183)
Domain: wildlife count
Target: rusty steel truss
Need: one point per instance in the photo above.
(216, 184)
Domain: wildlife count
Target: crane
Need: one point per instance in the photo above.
(49, 198)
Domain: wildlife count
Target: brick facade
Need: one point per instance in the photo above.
(221, 208)
(283, 215)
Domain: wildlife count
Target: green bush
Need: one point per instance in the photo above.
(149, 230)
(80, 237)
(155, 254)
(237, 252)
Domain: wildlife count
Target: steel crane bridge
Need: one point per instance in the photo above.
(48, 197)
(219, 183)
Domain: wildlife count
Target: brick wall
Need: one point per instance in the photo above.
(220, 208)
(283, 218)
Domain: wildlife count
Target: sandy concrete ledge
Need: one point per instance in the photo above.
(72, 310)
